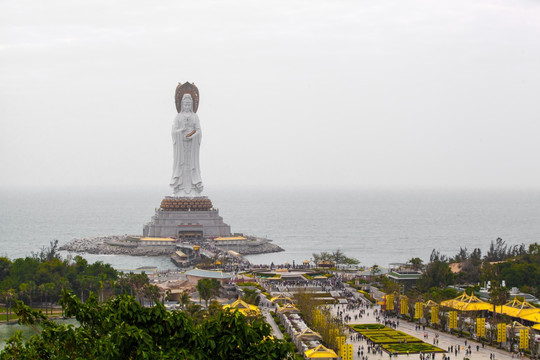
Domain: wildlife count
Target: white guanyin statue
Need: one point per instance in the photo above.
(186, 135)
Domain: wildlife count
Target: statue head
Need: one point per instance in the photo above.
(187, 103)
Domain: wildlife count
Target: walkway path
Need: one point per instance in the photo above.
(270, 320)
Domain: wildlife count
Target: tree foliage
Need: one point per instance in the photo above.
(336, 256)
(121, 328)
(208, 289)
(437, 273)
(40, 278)
(517, 265)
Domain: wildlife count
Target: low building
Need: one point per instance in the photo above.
(407, 279)
(403, 274)
(195, 275)
(230, 240)
(326, 264)
(180, 259)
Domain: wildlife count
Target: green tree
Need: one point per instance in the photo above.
(123, 329)
(8, 296)
(437, 273)
(416, 263)
(375, 270)
(251, 296)
(184, 299)
(498, 295)
(207, 289)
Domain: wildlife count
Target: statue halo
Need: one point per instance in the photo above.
(186, 88)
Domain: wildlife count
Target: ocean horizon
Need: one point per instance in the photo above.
(377, 226)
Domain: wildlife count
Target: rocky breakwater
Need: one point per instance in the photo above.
(115, 245)
(251, 246)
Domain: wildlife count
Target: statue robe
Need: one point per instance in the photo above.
(186, 178)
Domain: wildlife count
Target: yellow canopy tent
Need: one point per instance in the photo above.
(517, 309)
(534, 317)
(536, 327)
(320, 352)
(430, 303)
(466, 302)
(245, 308)
(288, 308)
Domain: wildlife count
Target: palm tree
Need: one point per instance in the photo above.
(375, 270)
(416, 263)
(207, 288)
(184, 299)
(498, 295)
(8, 296)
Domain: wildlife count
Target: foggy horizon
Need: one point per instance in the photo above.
(311, 94)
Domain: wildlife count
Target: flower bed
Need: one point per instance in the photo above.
(393, 340)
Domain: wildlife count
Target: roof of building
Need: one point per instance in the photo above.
(209, 274)
(320, 352)
(404, 275)
(368, 272)
(244, 308)
(282, 298)
(288, 308)
(180, 254)
(228, 238)
(157, 239)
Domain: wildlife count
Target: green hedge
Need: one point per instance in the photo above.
(460, 333)
(412, 348)
(367, 326)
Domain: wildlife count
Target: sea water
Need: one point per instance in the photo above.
(374, 226)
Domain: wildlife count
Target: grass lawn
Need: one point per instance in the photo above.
(13, 316)
(393, 340)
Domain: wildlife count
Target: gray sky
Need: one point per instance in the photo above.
(325, 94)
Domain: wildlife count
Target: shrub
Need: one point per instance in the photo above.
(411, 348)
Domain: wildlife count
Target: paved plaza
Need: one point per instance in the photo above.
(445, 340)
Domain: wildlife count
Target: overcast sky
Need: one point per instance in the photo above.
(326, 94)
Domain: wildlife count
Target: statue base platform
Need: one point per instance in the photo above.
(186, 218)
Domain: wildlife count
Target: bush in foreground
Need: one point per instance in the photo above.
(122, 329)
